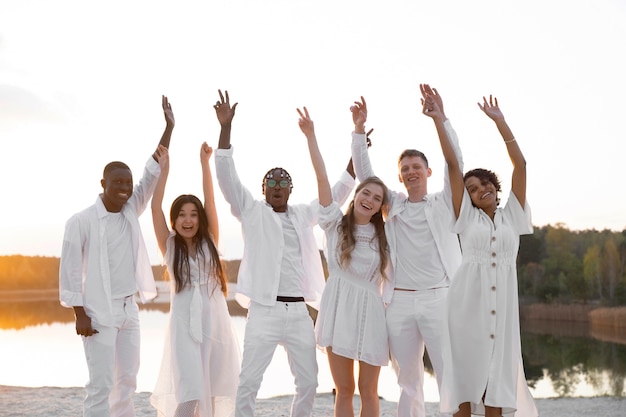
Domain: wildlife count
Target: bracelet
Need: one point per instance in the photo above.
(510, 141)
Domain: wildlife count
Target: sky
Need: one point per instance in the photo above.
(81, 85)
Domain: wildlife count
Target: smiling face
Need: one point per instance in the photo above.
(483, 193)
(368, 200)
(118, 187)
(414, 173)
(187, 221)
(277, 187)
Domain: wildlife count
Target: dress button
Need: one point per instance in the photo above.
(492, 336)
(493, 238)
(493, 254)
(493, 312)
(493, 264)
(493, 288)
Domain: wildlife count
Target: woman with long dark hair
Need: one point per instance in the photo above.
(201, 359)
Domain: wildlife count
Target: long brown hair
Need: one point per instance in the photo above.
(181, 252)
(346, 228)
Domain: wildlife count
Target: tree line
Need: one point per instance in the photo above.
(554, 264)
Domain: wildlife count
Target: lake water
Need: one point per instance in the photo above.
(39, 347)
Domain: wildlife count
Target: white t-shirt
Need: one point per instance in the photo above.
(419, 265)
(121, 259)
(290, 283)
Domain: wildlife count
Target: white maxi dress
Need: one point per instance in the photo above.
(482, 347)
(351, 317)
(201, 356)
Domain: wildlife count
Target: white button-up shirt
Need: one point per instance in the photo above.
(438, 210)
(259, 272)
(84, 276)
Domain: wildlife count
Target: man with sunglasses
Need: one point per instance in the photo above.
(281, 271)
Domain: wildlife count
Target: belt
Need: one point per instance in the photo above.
(289, 299)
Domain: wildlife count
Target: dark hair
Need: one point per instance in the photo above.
(113, 165)
(484, 176)
(412, 152)
(181, 254)
(346, 228)
(283, 173)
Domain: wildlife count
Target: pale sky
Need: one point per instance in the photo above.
(81, 85)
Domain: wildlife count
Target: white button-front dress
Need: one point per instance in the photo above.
(482, 348)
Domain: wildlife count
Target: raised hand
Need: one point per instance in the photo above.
(426, 90)
(167, 111)
(163, 158)
(223, 110)
(205, 153)
(305, 122)
(430, 107)
(491, 108)
(359, 115)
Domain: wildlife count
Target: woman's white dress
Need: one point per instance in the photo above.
(201, 357)
(482, 348)
(351, 317)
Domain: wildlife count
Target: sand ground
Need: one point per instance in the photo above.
(67, 402)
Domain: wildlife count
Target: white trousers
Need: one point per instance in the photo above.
(289, 325)
(113, 362)
(415, 319)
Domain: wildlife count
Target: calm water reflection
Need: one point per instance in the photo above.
(39, 347)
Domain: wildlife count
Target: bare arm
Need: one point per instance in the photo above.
(169, 125)
(431, 108)
(225, 114)
(159, 223)
(209, 197)
(323, 185)
(491, 109)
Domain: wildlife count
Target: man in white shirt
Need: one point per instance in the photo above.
(104, 262)
(280, 272)
(425, 255)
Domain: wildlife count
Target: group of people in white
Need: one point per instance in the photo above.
(407, 271)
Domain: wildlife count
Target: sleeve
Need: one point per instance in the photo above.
(342, 189)
(142, 193)
(329, 216)
(520, 217)
(360, 157)
(466, 215)
(71, 265)
(238, 196)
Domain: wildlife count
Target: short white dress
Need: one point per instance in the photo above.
(482, 347)
(201, 356)
(351, 317)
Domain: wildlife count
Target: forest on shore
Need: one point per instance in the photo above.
(555, 265)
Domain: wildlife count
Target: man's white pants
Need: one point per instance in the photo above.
(414, 320)
(287, 324)
(113, 362)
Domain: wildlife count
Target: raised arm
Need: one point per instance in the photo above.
(491, 109)
(207, 187)
(225, 114)
(360, 141)
(432, 107)
(161, 230)
(323, 185)
(169, 125)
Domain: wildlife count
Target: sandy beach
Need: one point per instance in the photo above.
(67, 402)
